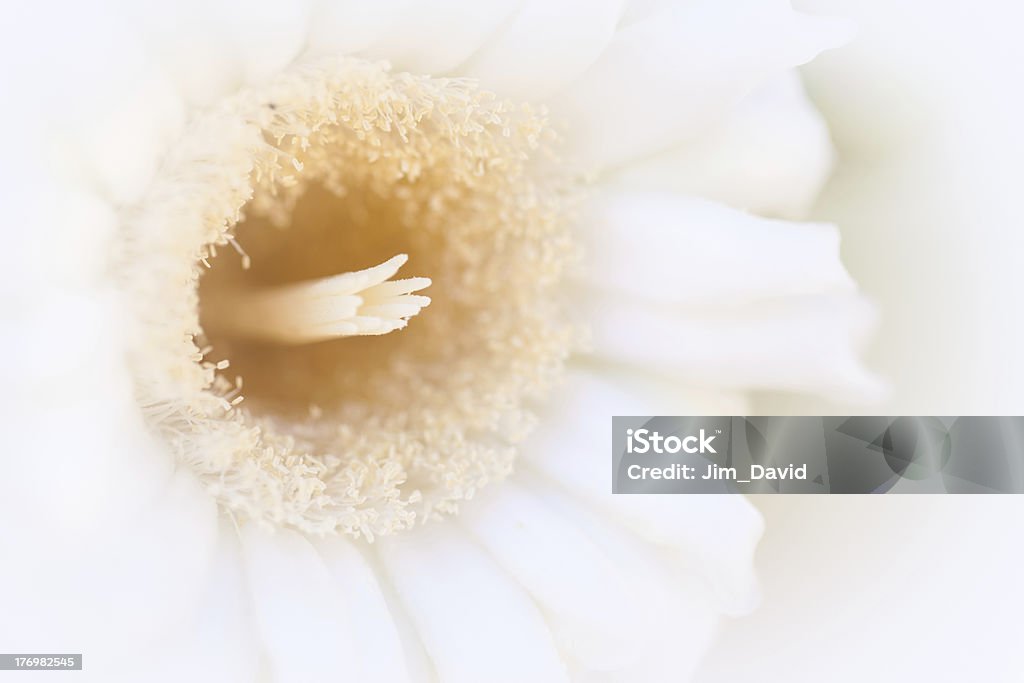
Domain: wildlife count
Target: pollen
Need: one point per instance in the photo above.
(274, 347)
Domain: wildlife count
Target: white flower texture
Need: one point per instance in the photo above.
(168, 531)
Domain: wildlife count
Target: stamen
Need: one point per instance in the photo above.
(365, 302)
(336, 164)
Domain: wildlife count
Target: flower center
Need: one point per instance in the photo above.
(364, 412)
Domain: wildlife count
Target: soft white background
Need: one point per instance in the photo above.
(927, 110)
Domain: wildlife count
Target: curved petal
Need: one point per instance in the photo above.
(544, 46)
(680, 615)
(69, 402)
(434, 37)
(349, 26)
(218, 638)
(475, 622)
(585, 596)
(124, 145)
(772, 156)
(267, 35)
(804, 344)
(640, 10)
(571, 447)
(186, 40)
(210, 49)
(224, 636)
(298, 607)
(683, 251)
(670, 76)
(107, 120)
(63, 242)
(114, 135)
(378, 644)
(143, 576)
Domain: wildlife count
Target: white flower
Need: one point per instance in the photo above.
(371, 510)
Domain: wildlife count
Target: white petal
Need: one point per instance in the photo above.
(297, 606)
(109, 117)
(167, 558)
(129, 586)
(589, 602)
(92, 468)
(217, 642)
(678, 250)
(544, 46)
(434, 37)
(802, 344)
(571, 446)
(640, 10)
(47, 355)
(770, 156)
(86, 483)
(681, 617)
(475, 622)
(378, 644)
(225, 637)
(187, 40)
(124, 145)
(266, 34)
(348, 26)
(69, 401)
(670, 76)
(63, 237)
(209, 49)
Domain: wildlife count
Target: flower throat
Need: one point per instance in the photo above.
(318, 389)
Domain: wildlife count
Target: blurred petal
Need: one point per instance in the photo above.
(218, 636)
(639, 10)
(114, 594)
(69, 404)
(569, 449)
(267, 35)
(544, 46)
(63, 241)
(297, 606)
(681, 615)
(770, 156)
(108, 119)
(475, 622)
(187, 42)
(378, 645)
(805, 344)
(564, 571)
(348, 26)
(123, 146)
(434, 37)
(678, 250)
(672, 75)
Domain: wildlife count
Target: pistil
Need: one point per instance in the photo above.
(364, 302)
